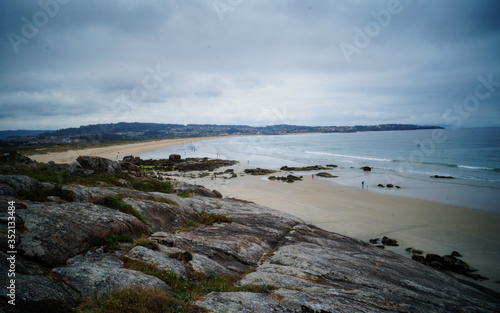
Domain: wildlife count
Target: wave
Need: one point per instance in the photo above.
(469, 167)
(349, 156)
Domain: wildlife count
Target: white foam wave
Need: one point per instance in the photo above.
(348, 156)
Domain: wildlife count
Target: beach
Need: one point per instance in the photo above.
(430, 226)
(434, 227)
(114, 152)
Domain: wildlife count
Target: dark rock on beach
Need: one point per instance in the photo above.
(258, 171)
(325, 174)
(389, 241)
(305, 168)
(366, 168)
(439, 176)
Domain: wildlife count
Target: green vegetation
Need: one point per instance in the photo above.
(286, 179)
(41, 195)
(115, 202)
(152, 186)
(181, 256)
(148, 244)
(210, 218)
(189, 290)
(184, 194)
(332, 165)
(325, 174)
(111, 242)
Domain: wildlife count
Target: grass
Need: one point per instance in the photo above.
(210, 218)
(111, 242)
(148, 244)
(139, 300)
(41, 195)
(116, 203)
(184, 194)
(188, 290)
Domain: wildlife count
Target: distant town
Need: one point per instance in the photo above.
(151, 131)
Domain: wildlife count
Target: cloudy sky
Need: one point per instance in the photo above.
(66, 63)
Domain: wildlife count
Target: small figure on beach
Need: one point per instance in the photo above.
(363, 184)
(312, 176)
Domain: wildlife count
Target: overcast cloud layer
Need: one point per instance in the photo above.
(255, 62)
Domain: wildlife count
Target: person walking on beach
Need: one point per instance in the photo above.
(312, 176)
(363, 184)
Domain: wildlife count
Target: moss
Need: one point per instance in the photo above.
(210, 218)
(184, 194)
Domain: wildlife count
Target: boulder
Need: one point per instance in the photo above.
(130, 168)
(132, 159)
(99, 165)
(258, 171)
(89, 278)
(20, 184)
(54, 232)
(325, 174)
(366, 168)
(389, 242)
(174, 157)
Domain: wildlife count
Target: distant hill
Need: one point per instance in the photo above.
(21, 133)
(147, 131)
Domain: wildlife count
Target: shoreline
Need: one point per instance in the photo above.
(433, 227)
(115, 152)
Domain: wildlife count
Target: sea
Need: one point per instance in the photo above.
(408, 159)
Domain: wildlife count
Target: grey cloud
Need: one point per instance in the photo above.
(263, 62)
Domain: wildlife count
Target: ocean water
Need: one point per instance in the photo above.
(406, 158)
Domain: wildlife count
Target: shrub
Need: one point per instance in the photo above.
(148, 244)
(152, 186)
(111, 241)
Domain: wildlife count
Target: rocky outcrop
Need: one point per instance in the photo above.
(89, 278)
(14, 184)
(258, 171)
(195, 189)
(325, 174)
(305, 168)
(99, 165)
(131, 169)
(54, 232)
(366, 168)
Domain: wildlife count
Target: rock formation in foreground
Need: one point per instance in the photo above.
(62, 257)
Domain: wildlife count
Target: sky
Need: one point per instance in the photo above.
(66, 63)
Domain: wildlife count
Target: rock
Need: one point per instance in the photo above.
(389, 242)
(374, 240)
(217, 194)
(258, 171)
(331, 165)
(324, 174)
(430, 257)
(456, 254)
(439, 176)
(131, 169)
(159, 258)
(380, 185)
(305, 168)
(390, 186)
(415, 251)
(199, 190)
(124, 182)
(336, 273)
(287, 179)
(174, 157)
(20, 184)
(366, 168)
(54, 232)
(132, 159)
(229, 170)
(92, 278)
(99, 165)
(418, 258)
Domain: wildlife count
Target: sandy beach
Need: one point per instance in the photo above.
(426, 225)
(429, 226)
(115, 152)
